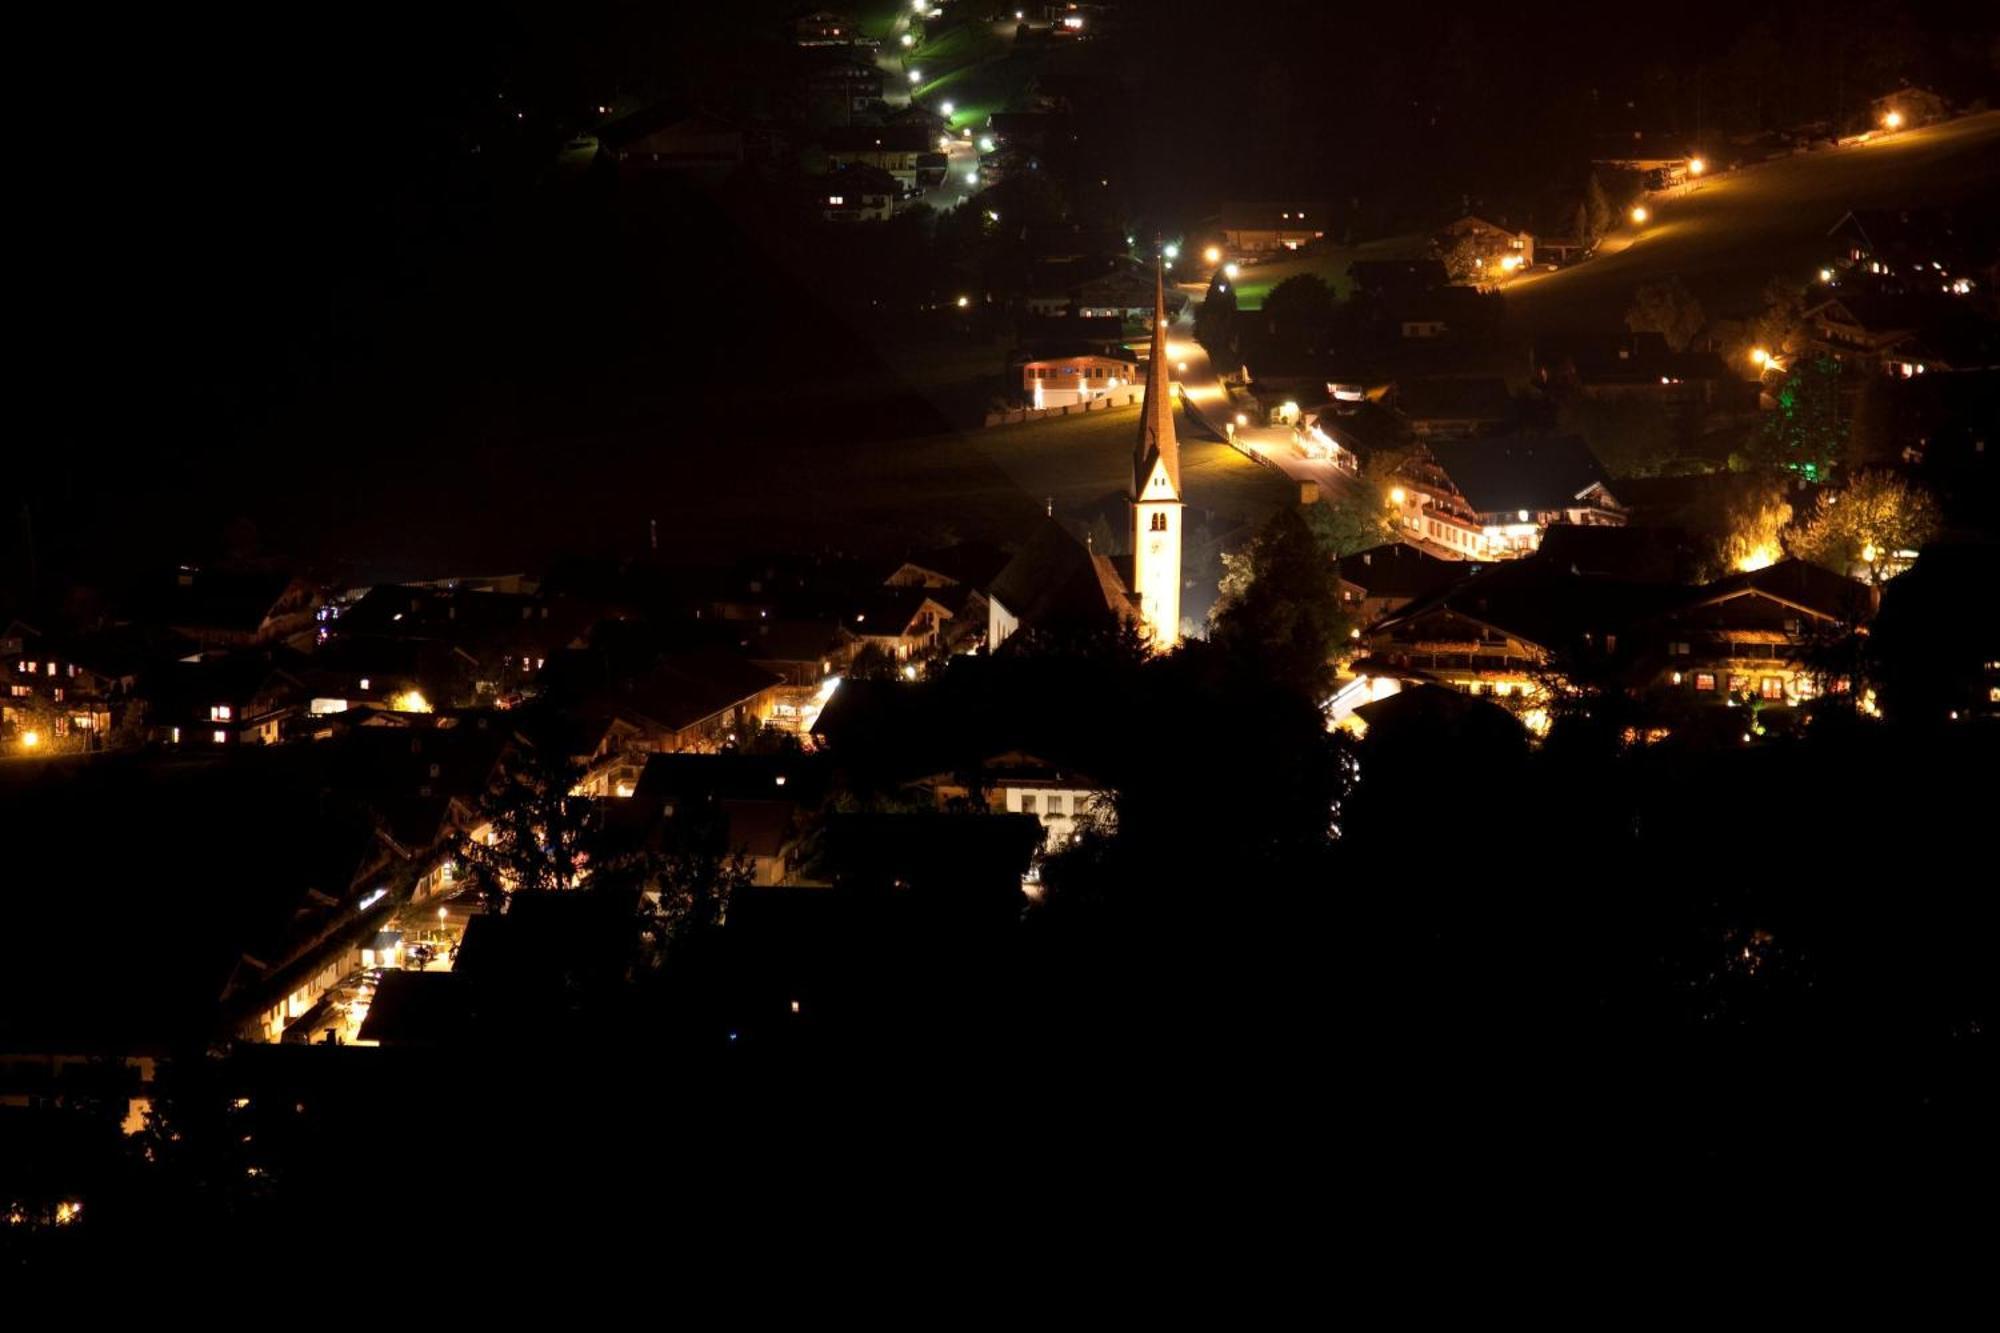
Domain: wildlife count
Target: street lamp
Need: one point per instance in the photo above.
(907, 40)
(1696, 166)
(945, 107)
(1759, 357)
(972, 178)
(1172, 252)
(1894, 120)
(1639, 213)
(30, 739)
(1397, 495)
(964, 301)
(1213, 254)
(916, 76)
(1229, 270)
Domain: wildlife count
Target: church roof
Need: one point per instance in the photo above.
(1056, 578)
(1156, 417)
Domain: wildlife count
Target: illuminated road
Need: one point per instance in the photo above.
(1730, 234)
(1202, 390)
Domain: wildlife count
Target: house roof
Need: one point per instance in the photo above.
(1400, 570)
(1538, 603)
(1532, 472)
(1454, 397)
(871, 138)
(686, 688)
(1646, 555)
(858, 177)
(1056, 579)
(1797, 583)
(974, 564)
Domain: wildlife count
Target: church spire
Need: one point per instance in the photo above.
(1156, 418)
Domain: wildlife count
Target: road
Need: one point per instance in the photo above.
(1727, 235)
(1203, 394)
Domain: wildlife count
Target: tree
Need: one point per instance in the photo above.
(1669, 309)
(1215, 323)
(1362, 516)
(1470, 259)
(1299, 310)
(696, 875)
(1877, 514)
(1780, 327)
(1753, 523)
(541, 833)
(1805, 433)
(1596, 208)
(1285, 617)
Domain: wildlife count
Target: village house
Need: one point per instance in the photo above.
(222, 608)
(1264, 228)
(1022, 784)
(1384, 579)
(1454, 407)
(891, 148)
(825, 27)
(1748, 636)
(672, 137)
(1640, 366)
(968, 564)
(1080, 376)
(905, 622)
(1907, 108)
(1492, 499)
(1056, 583)
(1487, 251)
(856, 193)
(841, 85)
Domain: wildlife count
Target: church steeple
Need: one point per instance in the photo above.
(1156, 417)
(1156, 491)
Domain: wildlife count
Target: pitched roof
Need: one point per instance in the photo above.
(1532, 472)
(686, 688)
(1156, 414)
(1399, 570)
(1435, 397)
(1797, 582)
(1056, 579)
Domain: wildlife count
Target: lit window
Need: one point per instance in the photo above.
(1772, 687)
(174, 737)
(364, 682)
(218, 713)
(1704, 681)
(219, 737)
(836, 199)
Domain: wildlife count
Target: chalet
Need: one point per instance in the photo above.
(1494, 251)
(500, 640)
(1914, 249)
(1264, 228)
(1384, 579)
(214, 699)
(236, 608)
(1125, 293)
(844, 84)
(1750, 636)
(1021, 784)
(1056, 583)
(1454, 407)
(1493, 499)
(825, 27)
(1500, 631)
(969, 564)
(671, 137)
(1063, 381)
(905, 622)
(73, 691)
(697, 701)
(856, 193)
(1640, 366)
(891, 148)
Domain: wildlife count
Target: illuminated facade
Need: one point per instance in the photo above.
(1156, 493)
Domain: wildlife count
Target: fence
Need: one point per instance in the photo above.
(1116, 398)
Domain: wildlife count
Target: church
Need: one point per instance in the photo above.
(1056, 577)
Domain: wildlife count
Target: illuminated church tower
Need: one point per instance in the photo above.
(1156, 492)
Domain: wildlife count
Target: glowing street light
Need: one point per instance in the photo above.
(1759, 357)
(1397, 495)
(986, 146)
(916, 76)
(972, 178)
(1826, 275)
(1229, 270)
(1696, 166)
(964, 301)
(1172, 252)
(1639, 213)
(30, 739)
(945, 107)
(907, 40)
(1213, 254)
(1894, 120)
